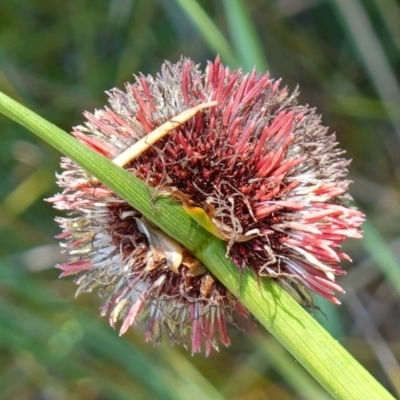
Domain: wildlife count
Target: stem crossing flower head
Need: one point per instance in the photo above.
(258, 168)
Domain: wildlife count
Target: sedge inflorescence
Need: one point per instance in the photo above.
(262, 168)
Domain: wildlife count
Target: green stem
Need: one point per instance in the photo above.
(330, 364)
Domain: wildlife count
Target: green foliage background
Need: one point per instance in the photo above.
(59, 57)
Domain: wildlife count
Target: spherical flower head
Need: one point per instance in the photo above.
(261, 168)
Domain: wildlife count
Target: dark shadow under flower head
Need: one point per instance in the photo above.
(264, 170)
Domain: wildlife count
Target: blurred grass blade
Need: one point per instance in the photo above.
(209, 31)
(302, 336)
(376, 63)
(378, 250)
(390, 12)
(190, 381)
(364, 107)
(244, 36)
(29, 329)
(381, 349)
(29, 191)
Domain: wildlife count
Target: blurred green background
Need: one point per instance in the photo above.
(58, 58)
